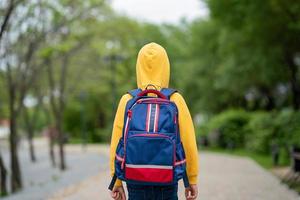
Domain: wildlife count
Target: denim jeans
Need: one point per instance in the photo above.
(142, 192)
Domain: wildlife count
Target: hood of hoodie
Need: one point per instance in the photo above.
(152, 67)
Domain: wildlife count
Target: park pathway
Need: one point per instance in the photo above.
(222, 177)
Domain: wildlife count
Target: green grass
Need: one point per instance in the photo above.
(78, 141)
(3, 194)
(262, 159)
(74, 140)
(296, 187)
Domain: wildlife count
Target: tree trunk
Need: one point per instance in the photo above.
(59, 118)
(61, 141)
(267, 97)
(31, 147)
(51, 152)
(58, 107)
(30, 133)
(62, 154)
(294, 82)
(3, 174)
(270, 102)
(16, 180)
(6, 17)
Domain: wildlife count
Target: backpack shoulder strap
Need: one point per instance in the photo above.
(134, 92)
(168, 92)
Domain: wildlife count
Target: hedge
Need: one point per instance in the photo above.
(255, 131)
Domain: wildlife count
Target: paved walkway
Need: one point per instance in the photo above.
(41, 180)
(222, 177)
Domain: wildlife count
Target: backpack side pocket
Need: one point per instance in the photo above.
(180, 163)
(119, 158)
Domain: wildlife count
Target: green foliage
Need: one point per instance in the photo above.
(255, 132)
(227, 129)
(72, 120)
(236, 53)
(232, 59)
(288, 127)
(273, 129)
(86, 118)
(261, 132)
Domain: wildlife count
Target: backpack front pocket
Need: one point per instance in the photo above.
(149, 158)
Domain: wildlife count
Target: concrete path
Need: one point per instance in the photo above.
(41, 180)
(222, 177)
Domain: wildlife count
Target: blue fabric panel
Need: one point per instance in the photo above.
(167, 113)
(143, 150)
(134, 92)
(149, 183)
(138, 120)
(166, 119)
(168, 92)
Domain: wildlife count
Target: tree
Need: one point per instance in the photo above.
(4, 24)
(258, 25)
(30, 118)
(19, 51)
(58, 102)
(3, 175)
(63, 28)
(237, 59)
(8, 11)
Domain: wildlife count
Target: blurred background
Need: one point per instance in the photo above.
(64, 64)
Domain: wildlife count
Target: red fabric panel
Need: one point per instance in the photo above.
(149, 174)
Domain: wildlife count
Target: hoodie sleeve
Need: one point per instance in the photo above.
(187, 135)
(117, 133)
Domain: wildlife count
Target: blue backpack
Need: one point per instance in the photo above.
(150, 151)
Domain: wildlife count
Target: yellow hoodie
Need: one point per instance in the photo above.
(153, 67)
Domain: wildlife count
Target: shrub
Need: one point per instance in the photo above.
(87, 117)
(255, 131)
(72, 119)
(260, 131)
(227, 129)
(288, 128)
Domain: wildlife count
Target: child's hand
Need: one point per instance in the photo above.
(191, 192)
(118, 193)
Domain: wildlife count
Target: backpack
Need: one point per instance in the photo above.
(150, 151)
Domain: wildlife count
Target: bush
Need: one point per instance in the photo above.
(255, 131)
(100, 135)
(288, 128)
(260, 132)
(72, 119)
(279, 128)
(226, 130)
(88, 116)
